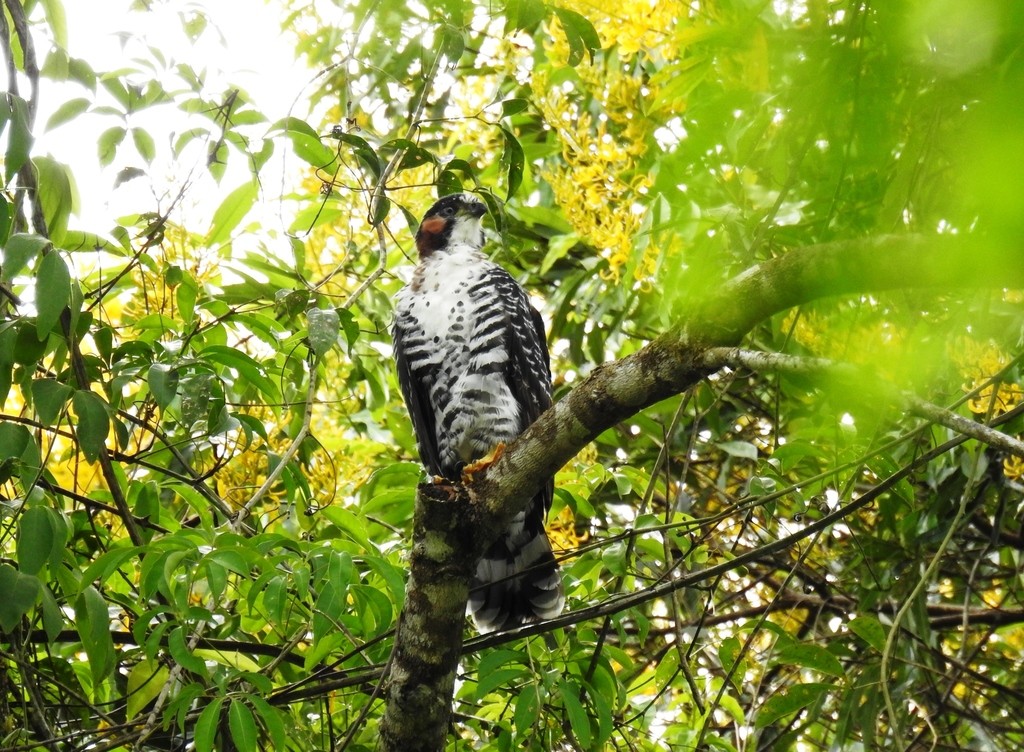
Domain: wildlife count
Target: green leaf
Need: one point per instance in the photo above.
(67, 112)
(381, 207)
(363, 151)
(49, 397)
(53, 291)
(350, 524)
(179, 652)
(197, 393)
(579, 720)
(242, 725)
(515, 161)
(14, 440)
(558, 248)
(53, 616)
(513, 106)
(502, 677)
(231, 212)
(728, 653)
(676, 82)
(809, 656)
(163, 383)
(108, 142)
(252, 426)
(497, 658)
(206, 726)
(453, 44)
(56, 195)
(614, 559)
(249, 369)
(349, 325)
(145, 682)
(323, 326)
(790, 700)
(869, 629)
(579, 33)
(77, 240)
(273, 721)
(58, 21)
(93, 624)
(6, 114)
(525, 14)
(19, 595)
(305, 141)
(37, 537)
(447, 184)
(195, 24)
(6, 218)
(93, 423)
(234, 659)
(28, 348)
(414, 156)
(82, 72)
(185, 295)
(527, 709)
(19, 250)
(57, 65)
(732, 706)
(19, 142)
(61, 533)
(743, 449)
(144, 144)
(107, 563)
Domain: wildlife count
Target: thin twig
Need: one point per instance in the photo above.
(365, 711)
(749, 641)
(378, 190)
(170, 684)
(289, 453)
(911, 600)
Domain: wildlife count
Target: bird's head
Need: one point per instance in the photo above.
(454, 220)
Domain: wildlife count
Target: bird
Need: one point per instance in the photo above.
(474, 369)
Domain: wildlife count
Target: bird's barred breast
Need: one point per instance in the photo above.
(457, 327)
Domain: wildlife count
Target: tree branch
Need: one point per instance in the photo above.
(429, 639)
(238, 521)
(760, 361)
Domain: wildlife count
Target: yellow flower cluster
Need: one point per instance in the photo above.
(636, 27)
(153, 292)
(872, 339)
(563, 532)
(1013, 467)
(246, 470)
(980, 362)
(595, 182)
(621, 97)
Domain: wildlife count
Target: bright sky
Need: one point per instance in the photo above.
(254, 54)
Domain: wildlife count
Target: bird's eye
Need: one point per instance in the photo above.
(448, 211)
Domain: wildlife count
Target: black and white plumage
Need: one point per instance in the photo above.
(473, 366)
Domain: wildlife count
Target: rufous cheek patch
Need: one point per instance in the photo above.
(433, 226)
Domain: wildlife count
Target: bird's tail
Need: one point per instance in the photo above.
(517, 580)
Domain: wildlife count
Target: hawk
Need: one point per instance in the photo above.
(473, 366)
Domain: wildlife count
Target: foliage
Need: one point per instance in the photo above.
(208, 476)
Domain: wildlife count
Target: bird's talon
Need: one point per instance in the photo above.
(483, 463)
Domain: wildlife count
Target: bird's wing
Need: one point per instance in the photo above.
(528, 374)
(529, 367)
(417, 396)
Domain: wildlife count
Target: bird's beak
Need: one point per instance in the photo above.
(476, 209)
